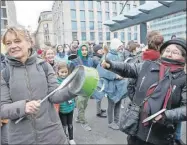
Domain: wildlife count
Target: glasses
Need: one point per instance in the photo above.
(173, 52)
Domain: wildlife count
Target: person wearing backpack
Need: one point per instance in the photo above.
(162, 85)
(28, 83)
(4, 122)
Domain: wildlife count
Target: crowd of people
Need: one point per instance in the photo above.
(156, 71)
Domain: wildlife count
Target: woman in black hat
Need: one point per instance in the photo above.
(164, 83)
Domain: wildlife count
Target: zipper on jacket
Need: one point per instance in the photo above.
(141, 83)
(30, 97)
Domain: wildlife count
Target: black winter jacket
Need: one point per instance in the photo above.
(174, 114)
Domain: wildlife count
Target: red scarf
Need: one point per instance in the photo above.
(151, 54)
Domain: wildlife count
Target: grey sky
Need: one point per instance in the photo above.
(29, 11)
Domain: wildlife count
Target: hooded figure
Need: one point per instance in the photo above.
(83, 54)
(82, 102)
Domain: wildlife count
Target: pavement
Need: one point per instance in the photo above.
(100, 133)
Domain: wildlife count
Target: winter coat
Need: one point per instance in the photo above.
(96, 59)
(29, 82)
(68, 106)
(146, 74)
(114, 87)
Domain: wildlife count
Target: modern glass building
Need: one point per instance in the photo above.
(174, 24)
(83, 20)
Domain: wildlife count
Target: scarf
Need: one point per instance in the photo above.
(151, 54)
(160, 92)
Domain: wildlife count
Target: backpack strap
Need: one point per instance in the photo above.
(6, 74)
(45, 67)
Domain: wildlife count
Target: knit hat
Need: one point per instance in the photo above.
(178, 41)
(96, 48)
(115, 44)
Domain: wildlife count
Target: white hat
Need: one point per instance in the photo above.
(115, 44)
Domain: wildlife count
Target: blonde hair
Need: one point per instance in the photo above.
(17, 31)
(45, 52)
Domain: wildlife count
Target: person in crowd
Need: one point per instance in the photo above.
(154, 41)
(97, 55)
(167, 89)
(82, 102)
(49, 56)
(61, 54)
(23, 90)
(66, 108)
(4, 126)
(114, 86)
(90, 48)
(74, 47)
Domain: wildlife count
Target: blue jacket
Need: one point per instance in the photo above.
(116, 89)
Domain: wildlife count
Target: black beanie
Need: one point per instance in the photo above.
(178, 41)
(96, 48)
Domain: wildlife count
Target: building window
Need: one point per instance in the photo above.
(98, 5)
(100, 36)
(135, 28)
(74, 25)
(108, 44)
(128, 7)
(91, 15)
(100, 25)
(83, 34)
(46, 30)
(82, 6)
(91, 25)
(92, 36)
(46, 39)
(115, 34)
(73, 14)
(107, 6)
(74, 35)
(114, 7)
(129, 29)
(122, 36)
(99, 16)
(107, 15)
(135, 36)
(114, 14)
(82, 15)
(107, 35)
(83, 26)
(4, 23)
(134, 6)
(3, 13)
(121, 6)
(129, 36)
(90, 5)
(3, 3)
(72, 4)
